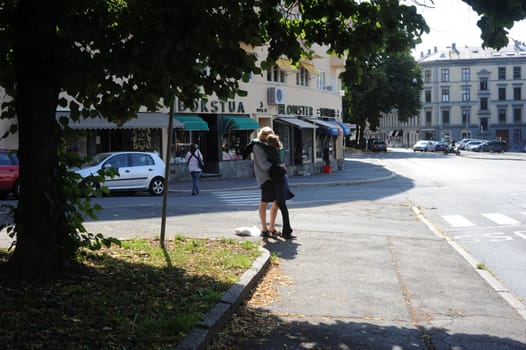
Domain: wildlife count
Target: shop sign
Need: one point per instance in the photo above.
(214, 106)
(297, 110)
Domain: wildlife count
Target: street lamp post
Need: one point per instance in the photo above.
(467, 114)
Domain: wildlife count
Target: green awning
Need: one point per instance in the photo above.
(192, 122)
(231, 122)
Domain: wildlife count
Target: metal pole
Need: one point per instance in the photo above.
(167, 174)
(467, 110)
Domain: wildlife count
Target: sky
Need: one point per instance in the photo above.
(453, 21)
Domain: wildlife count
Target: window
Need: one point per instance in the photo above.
(466, 116)
(276, 75)
(517, 135)
(445, 95)
(502, 73)
(428, 96)
(484, 124)
(517, 115)
(502, 115)
(502, 94)
(302, 77)
(320, 82)
(466, 76)
(466, 94)
(517, 73)
(427, 76)
(517, 93)
(484, 84)
(483, 103)
(445, 117)
(138, 159)
(428, 118)
(445, 74)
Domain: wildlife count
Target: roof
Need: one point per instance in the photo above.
(514, 51)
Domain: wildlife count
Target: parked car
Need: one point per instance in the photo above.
(473, 145)
(424, 146)
(9, 174)
(137, 171)
(377, 146)
(441, 146)
(494, 146)
(461, 145)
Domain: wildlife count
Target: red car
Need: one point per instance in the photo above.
(9, 174)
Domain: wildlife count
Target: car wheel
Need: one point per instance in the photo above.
(16, 190)
(157, 186)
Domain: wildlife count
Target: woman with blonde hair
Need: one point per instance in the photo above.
(262, 166)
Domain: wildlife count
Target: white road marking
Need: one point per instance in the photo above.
(500, 219)
(457, 221)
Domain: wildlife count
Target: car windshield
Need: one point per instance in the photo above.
(96, 160)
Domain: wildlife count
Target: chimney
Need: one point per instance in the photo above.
(436, 50)
(429, 51)
(454, 46)
(421, 54)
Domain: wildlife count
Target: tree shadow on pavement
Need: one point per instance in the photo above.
(270, 331)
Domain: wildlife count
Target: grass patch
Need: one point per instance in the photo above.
(137, 296)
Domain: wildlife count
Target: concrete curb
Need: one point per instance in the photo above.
(216, 319)
(504, 292)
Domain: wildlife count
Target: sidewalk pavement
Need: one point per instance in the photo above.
(353, 172)
(400, 285)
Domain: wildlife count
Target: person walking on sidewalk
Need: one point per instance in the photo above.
(194, 162)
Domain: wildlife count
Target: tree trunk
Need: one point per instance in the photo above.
(38, 250)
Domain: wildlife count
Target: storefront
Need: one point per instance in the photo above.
(220, 137)
(146, 132)
(297, 137)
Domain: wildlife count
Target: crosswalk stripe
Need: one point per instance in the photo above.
(457, 221)
(236, 198)
(500, 219)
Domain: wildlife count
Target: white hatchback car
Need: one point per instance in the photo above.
(138, 171)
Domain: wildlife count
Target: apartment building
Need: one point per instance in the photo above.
(302, 103)
(471, 92)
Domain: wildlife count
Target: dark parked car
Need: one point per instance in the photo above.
(9, 174)
(377, 146)
(494, 146)
(441, 146)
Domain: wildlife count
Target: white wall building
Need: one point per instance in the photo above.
(302, 103)
(475, 93)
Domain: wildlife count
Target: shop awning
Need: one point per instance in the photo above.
(326, 127)
(345, 128)
(310, 68)
(231, 122)
(285, 64)
(192, 122)
(297, 122)
(341, 130)
(143, 121)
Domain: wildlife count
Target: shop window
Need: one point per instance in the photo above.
(179, 153)
(233, 142)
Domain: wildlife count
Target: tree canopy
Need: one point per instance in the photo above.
(112, 57)
(389, 82)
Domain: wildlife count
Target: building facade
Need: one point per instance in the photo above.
(474, 93)
(302, 103)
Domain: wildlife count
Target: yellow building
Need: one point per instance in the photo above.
(302, 103)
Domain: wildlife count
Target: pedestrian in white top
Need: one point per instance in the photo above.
(195, 162)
